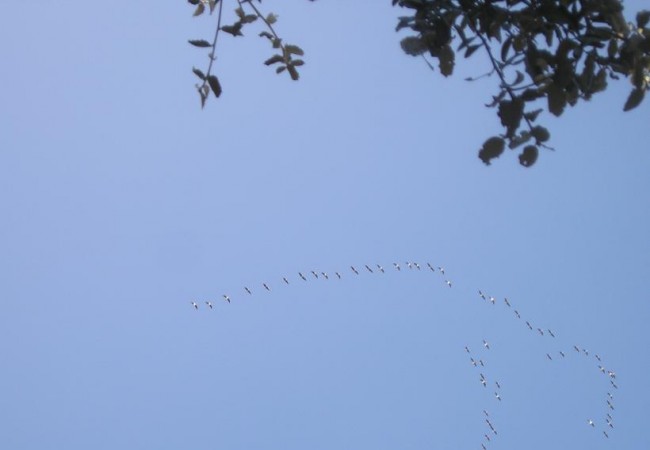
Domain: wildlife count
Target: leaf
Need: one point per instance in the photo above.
(234, 29)
(297, 62)
(528, 156)
(505, 48)
(492, 148)
(532, 115)
(642, 18)
(510, 113)
(274, 59)
(413, 46)
(271, 18)
(471, 49)
(240, 13)
(202, 43)
(213, 81)
(540, 134)
(446, 60)
(198, 73)
(249, 18)
(520, 139)
(293, 72)
(266, 34)
(556, 99)
(199, 10)
(635, 98)
(294, 49)
(280, 69)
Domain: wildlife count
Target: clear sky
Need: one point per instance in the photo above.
(123, 201)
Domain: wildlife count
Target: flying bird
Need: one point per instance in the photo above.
(431, 267)
(369, 269)
(226, 298)
(409, 265)
(354, 270)
(493, 300)
(562, 353)
(467, 349)
(338, 275)
(441, 269)
(484, 382)
(314, 274)
(549, 357)
(196, 306)
(487, 437)
(325, 275)
(597, 357)
(481, 294)
(613, 384)
(498, 397)
(480, 361)
(507, 302)
(248, 290)
(529, 325)
(591, 422)
(381, 269)
(448, 283)
(473, 361)
(486, 413)
(209, 304)
(541, 332)
(577, 349)
(498, 385)
(302, 276)
(285, 280)
(550, 332)
(605, 433)
(517, 314)
(397, 266)
(485, 344)
(266, 286)
(417, 266)
(585, 351)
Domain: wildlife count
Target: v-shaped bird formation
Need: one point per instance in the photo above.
(477, 358)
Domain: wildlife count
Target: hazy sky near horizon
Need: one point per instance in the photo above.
(124, 201)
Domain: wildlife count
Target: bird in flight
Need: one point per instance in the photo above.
(549, 357)
(605, 433)
(397, 266)
(448, 283)
(338, 275)
(431, 267)
(591, 422)
(467, 349)
(507, 302)
(285, 280)
(226, 298)
(381, 269)
(248, 290)
(209, 304)
(493, 300)
(498, 397)
(324, 274)
(562, 353)
(417, 266)
(302, 276)
(314, 274)
(529, 325)
(369, 269)
(441, 269)
(354, 270)
(196, 306)
(485, 344)
(517, 314)
(266, 286)
(541, 332)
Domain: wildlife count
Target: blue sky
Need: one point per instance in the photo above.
(124, 201)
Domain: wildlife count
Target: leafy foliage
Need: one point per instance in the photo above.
(546, 54)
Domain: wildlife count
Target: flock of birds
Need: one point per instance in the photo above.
(607, 424)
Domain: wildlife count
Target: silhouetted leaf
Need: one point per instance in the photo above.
(528, 156)
(510, 113)
(540, 134)
(642, 18)
(635, 98)
(280, 69)
(199, 10)
(234, 29)
(556, 99)
(200, 43)
(293, 72)
(492, 148)
(213, 81)
(198, 73)
(413, 46)
(271, 18)
(274, 59)
(294, 49)
(446, 60)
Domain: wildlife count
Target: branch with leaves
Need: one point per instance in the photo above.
(246, 12)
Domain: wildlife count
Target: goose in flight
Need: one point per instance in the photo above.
(302, 276)
(409, 265)
(196, 305)
(484, 382)
(226, 298)
(248, 290)
(610, 405)
(354, 270)
(285, 280)
(417, 266)
(486, 413)
(266, 286)
(597, 357)
(613, 384)
(480, 361)
(605, 433)
(209, 304)
(562, 354)
(338, 275)
(585, 351)
(314, 274)
(493, 300)
(467, 349)
(610, 396)
(517, 314)
(541, 332)
(530, 327)
(381, 269)
(609, 422)
(498, 397)
(577, 349)
(431, 267)
(601, 368)
(473, 361)
(441, 269)
(550, 332)
(324, 274)
(489, 424)
(485, 344)
(549, 357)
(483, 445)
(498, 385)
(507, 302)
(591, 422)
(369, 269)
(481, 294)
(397, 266)
(448, 283)
(611, 374)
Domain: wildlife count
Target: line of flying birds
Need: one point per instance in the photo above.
(377, 268)
(475, 360)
